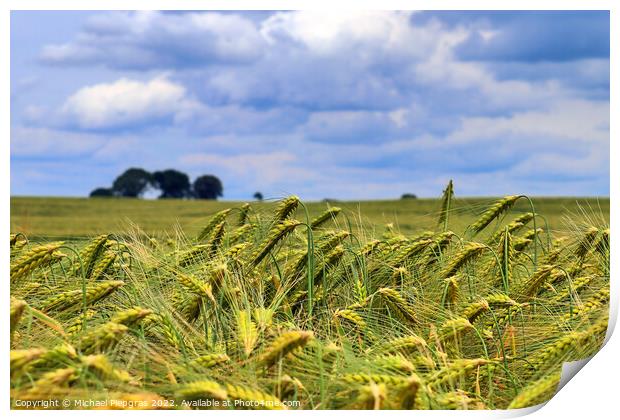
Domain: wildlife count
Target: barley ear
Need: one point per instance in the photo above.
(246, 331)
(496, 210)
(202, 390)
(283, 345)
(325, 217)
(215, 221)
(17, 309)
(537, 392)
(286, 208)
(446, 203)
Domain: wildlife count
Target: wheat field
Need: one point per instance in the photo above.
(285, 308)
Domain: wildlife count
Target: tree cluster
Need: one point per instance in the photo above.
(134, 182)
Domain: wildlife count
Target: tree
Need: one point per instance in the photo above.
(132, 183)
(408, 196)
(102, 192)
(258, 196)
(172, 183)
(208, 187)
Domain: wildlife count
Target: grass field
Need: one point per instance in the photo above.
(65, 218)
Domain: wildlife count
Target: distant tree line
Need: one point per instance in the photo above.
(134, 182)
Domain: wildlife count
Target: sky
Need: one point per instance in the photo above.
(340, 105)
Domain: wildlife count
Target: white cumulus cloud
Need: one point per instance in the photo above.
(124, 102)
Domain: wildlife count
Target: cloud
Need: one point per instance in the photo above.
(525, 152)
(45, 143)
(343, 60)
(240, 164)
(200, 119)
(156, 40)
(572, 121)
(358, 127)
(123, 103)
(588, 77)
(319, 61)
(303, 59)
(331, 61)
(592, 165)
(329, 33)
(529, 36)
(252, 172)
(569, 135)
(443, 71)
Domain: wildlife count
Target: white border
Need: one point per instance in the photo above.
(592, 394)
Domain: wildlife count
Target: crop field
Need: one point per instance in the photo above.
(81, 218)
(409, 304)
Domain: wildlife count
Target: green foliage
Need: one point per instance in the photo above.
(172, 183)
(208, 187)
(132, 183)
(102, 192)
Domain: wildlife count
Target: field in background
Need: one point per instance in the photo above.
(66, 218)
